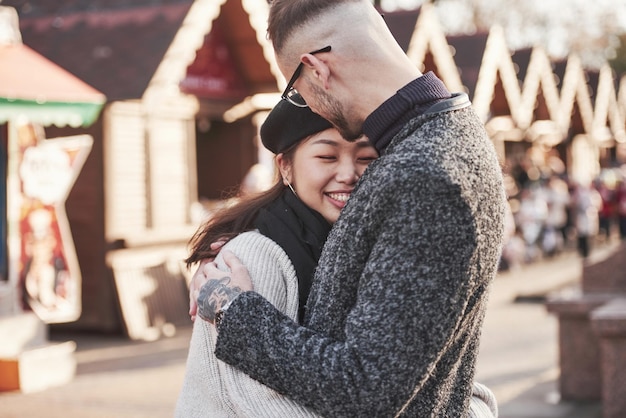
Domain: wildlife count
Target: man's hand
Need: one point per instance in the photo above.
(216, 288)
(215, 295)
(198, 279)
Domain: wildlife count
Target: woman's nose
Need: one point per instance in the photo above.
(348, 172)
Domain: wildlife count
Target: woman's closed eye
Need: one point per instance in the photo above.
(327, 157)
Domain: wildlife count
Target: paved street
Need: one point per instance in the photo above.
(519, 350)
(117, 378)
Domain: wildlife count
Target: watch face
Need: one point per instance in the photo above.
(218, 318)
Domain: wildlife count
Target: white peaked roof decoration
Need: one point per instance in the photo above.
(539, 79)
(190, 37)
(608, 121)
(522, 97)
(429, 36)
(496, 65)
(574, 90)
(182, 50)
(497, 61)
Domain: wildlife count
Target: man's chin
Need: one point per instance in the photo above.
(348, 131)
(350, 135)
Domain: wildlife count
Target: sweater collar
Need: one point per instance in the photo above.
(410, 101)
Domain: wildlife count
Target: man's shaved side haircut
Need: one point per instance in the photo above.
(286, 16)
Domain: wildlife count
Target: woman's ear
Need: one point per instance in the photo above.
(285, 168)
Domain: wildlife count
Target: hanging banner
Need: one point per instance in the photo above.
(40, 244)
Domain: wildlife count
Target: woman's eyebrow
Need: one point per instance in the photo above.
(323, 141)
(334, 142)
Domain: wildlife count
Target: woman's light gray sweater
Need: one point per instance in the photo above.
(212, 388)
(399, 296)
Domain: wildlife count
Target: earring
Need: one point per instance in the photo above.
(290, 187)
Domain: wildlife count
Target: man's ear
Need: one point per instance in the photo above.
(319, 68)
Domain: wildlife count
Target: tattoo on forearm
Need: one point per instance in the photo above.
(213, 295)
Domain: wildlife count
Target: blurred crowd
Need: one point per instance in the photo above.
(551, 213)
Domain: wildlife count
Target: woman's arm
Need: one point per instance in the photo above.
(212, 385)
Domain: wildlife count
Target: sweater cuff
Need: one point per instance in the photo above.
(248, 319)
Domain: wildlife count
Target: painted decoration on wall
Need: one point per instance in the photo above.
(48, 274)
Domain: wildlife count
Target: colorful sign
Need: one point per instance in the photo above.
(48, 274)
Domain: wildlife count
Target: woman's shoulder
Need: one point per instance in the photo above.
(271, 271)
(256, 250)
(251, 239)
(249, 236)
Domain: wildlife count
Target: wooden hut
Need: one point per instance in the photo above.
(174, 130)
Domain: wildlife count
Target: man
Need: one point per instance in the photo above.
(393, 321)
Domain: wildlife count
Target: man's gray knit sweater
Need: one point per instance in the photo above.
(394, 317)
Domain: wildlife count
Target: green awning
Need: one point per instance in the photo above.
(50, 113)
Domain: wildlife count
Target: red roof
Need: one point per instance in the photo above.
(26, 75)
(113, 45)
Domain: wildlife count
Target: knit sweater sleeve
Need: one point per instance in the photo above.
(212, 388)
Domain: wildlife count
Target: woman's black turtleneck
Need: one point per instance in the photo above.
(301, 232)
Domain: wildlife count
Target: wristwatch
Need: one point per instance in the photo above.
(220, 313)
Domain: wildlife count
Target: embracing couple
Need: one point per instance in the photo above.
(357, 285)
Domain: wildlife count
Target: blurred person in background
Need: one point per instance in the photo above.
(620, 202)
(531, 217)
(586, 202)
(558, 201)
(606, 211)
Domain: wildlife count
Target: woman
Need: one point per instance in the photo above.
(279, 233)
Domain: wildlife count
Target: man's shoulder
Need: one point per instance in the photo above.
(444, 130)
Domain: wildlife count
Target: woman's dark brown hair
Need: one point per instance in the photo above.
(233, 220)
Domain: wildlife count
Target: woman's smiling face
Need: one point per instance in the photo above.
(324, 170)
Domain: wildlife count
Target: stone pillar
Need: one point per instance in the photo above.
(579, 353)
(609, 324)
(606, 275)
